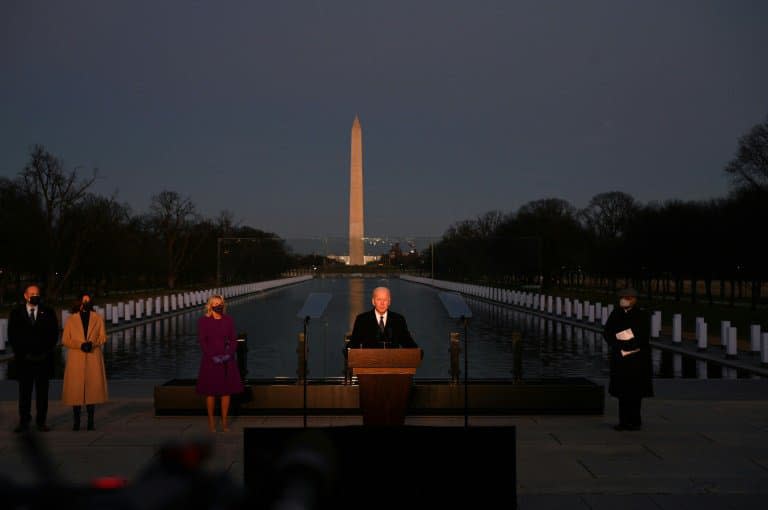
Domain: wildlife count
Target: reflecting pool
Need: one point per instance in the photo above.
(168, 348)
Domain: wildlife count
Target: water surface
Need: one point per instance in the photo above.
(168, 348)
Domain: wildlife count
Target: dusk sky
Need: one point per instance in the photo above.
(466, 106)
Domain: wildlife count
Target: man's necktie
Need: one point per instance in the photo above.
(381, 323)
(32, 315)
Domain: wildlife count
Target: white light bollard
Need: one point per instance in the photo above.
(701, 336)
(754, 339)
(677, 328)
(166, 303)
(558, 306)
(591, 313)
(549, 304)
(108, 312)
(567, 308)
(139, 309)
(725, 329)
(732, 351)
(115, 315)
(148, 307)
(127, 311)
(173, 302)
(3, 334)
(764, 350)
(656, 324)
(598, 312)
(585, 310)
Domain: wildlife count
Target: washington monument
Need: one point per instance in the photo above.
(356, 251)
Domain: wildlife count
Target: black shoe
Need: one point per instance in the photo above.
(21, 427)
(633, 427)
(43, 428)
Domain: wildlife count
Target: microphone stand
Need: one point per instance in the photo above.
(466, 372)
(313, 307)
(304, 369)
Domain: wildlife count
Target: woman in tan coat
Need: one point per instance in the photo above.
(85, 381)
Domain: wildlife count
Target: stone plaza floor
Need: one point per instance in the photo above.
(704, 445)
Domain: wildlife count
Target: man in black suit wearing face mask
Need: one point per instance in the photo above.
(380, 327)
(33, 332)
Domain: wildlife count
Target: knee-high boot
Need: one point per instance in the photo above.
(76, 417)
(90, 409)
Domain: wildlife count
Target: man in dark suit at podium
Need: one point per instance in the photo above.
(380, 327)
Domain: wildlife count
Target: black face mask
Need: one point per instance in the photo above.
(34, 300)
(87, 307)
(218, 309)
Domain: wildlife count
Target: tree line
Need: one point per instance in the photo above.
(663, 248)
(56, 231)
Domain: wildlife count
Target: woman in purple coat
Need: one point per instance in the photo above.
(219, 375)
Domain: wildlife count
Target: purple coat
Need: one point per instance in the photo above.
(219, 373)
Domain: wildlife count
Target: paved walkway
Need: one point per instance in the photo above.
(704, 445)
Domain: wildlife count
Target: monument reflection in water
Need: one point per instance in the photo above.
(168, 348)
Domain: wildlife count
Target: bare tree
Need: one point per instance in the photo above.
(225, 223)
(486, 224)
(608, 213)
(750, 165)
(59, 194)
(174, 219)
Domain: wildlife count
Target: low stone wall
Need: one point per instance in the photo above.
(543, 396)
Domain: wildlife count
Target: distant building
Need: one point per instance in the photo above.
(345, 259)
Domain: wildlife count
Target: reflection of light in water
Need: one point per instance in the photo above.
(356, 299)
(578, 341)
(656, 360)
(677, 362)
(701, 369)
(591, 342)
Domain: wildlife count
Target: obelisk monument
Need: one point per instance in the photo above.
(356, 250)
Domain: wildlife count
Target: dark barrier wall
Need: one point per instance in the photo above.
(382, 467)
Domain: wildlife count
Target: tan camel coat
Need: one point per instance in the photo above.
(85, 381)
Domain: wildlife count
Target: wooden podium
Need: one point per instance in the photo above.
(385, 377)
